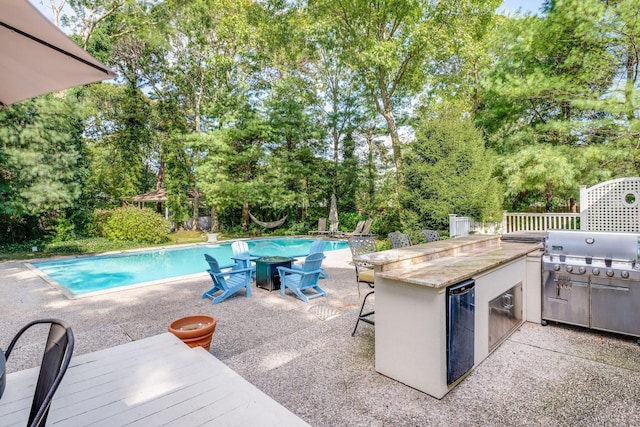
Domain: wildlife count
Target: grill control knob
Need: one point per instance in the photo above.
(624, 274)
(582, 270)
(569, 268)
(595, 271)
(609, 273)
(556, 267)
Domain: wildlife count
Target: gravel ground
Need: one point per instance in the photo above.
(303, 355)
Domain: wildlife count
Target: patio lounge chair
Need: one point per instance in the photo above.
(364, 273)
(228, 282)
(431, 235)
(322, 227)
(55, 361)
(366, 228)
(299, 281)
(358, 230)
(399, 240)
(317, 247)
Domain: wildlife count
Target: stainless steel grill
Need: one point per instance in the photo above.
(592, 279)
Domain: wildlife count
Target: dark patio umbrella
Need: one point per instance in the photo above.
(37, 58)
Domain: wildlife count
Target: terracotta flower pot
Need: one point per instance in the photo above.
(194, 330)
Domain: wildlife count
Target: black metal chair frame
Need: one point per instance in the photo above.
(431, 235)
(399, 240)
(55, 361)
(360, 245)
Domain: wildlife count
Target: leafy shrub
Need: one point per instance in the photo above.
(349, 220)
(12, 248)
(64, 230)
(136, 225)
(297, 228)
(85, 246)
(99, 219)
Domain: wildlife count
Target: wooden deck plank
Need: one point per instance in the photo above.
(92, 373)
(125, 376)
(231, 396)
(134, 386)
(154, 381)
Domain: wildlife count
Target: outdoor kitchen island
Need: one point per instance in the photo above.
(433, 304)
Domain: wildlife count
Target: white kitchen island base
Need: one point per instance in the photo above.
(411, 314)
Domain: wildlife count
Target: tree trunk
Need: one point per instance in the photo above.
(196, 206)
(215, 225)
(245, 216)
(395, 144)
(55, 10)
(631, 64)
(197, 127)
(386, 111)
(371, 170)
(159, 181)
(160, 176)
(397, 158)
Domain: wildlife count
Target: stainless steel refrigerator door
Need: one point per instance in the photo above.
(460, 329)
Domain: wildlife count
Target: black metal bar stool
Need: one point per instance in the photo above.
(360, 245)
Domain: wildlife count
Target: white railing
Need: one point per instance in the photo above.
(609, 206)
(460, 225)
(514, 222)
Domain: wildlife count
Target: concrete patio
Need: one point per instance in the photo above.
(303, 355)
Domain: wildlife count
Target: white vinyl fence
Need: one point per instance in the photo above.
(608, 206)
(514, 222)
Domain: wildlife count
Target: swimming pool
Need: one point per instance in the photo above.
(81, 276)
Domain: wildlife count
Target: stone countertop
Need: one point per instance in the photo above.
(444, 263)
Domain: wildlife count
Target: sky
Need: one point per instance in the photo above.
(512, 6)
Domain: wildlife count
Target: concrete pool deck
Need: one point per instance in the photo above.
(303, 355)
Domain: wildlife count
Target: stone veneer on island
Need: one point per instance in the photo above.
(410, 301)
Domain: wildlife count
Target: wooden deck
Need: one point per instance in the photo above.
(152, 382)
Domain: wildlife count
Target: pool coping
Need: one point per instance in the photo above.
(70, 295)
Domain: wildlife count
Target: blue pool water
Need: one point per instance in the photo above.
(104, 272)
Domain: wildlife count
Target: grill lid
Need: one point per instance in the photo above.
(593, 244)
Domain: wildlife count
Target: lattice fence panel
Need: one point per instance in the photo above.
(613, 205)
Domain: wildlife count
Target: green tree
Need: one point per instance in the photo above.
(40, 146)
(207, 40)
(551, 105)
(393, 45)
(119, 144)
(232, 172)
(448, 170)
(175, 169)
(344, 110)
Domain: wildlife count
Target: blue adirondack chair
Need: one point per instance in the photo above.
(306, 278)
(241, 256)
(317, 247)
(228, 282)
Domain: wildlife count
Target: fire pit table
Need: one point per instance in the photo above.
(267, 271)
